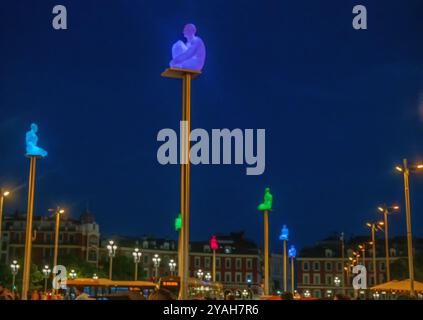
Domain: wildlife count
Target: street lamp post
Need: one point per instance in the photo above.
(284, 238)
(342, 239)
(137, 258)
(111, 247)
(46, 273)
(387, 211)
(14, 267)
(337, 281)
(200, 274)
(3, 194)
(95, 277)
(156, 262)
(172, 267)
(374, 226)
(405, 169)
(58, 211)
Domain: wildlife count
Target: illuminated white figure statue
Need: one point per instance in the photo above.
(31, 143)
(190, 55)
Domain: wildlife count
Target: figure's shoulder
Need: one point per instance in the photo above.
(198, 41)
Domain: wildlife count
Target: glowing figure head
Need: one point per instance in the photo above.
(213, 243)
(292, 252)
(284, 233)
(31, 143)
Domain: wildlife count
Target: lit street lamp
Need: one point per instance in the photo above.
(58, 211)
(95, 277)
(14, 267)
(208, 277)
(156, 262)
(111, 247)
(72, 274)
(3, 194)
(200, 274)
(172, 267)
(46, 273)
(387, 211)
(137, 258)
(405, 169)
(337, 281)
(307, 294)
(374, 226)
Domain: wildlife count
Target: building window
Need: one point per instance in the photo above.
(228, 277)
(316, 266)
(227, 263)
(328, 266)
(329, 280)
(306, 266)
(92, 255)
(145, 259)
(145, 244)
(328, 253)
(393, 252)
(217, 262)
(382, 266)
(249, 264)
(317, 294)
(238, 277)
(71, 238)
(207, 262)
(218, 278)
(339, 266)
(316, 279)
(238, 264)
(197, 261)
(306, 278)
(206, 248)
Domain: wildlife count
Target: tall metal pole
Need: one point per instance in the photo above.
(28, 234)
(56, 238)
(1, 212)
(408, 218)
(284, 267)
(110, 266)
(186, 76)
(343, 262)
(292, 275)
(388, 263)
(374, 252)
(214, 265)
(186, 216)
(266, 252)
(136, 271)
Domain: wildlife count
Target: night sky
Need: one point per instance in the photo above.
(340, 107)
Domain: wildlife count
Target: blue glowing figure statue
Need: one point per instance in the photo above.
(292, 252)
(190, 55)
(284, 233)
(31, 143)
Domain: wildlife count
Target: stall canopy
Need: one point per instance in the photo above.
(398, 285)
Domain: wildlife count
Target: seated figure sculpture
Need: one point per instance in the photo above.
(284, 233)
(31, 143)
(190, 55)
(268, 200)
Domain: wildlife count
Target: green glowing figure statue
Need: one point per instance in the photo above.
(178, 222)
(268, 200)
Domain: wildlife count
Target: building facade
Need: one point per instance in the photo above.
(78, 238)
(238, 259)
(322, 272)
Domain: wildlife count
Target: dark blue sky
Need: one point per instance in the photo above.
(340, 108)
